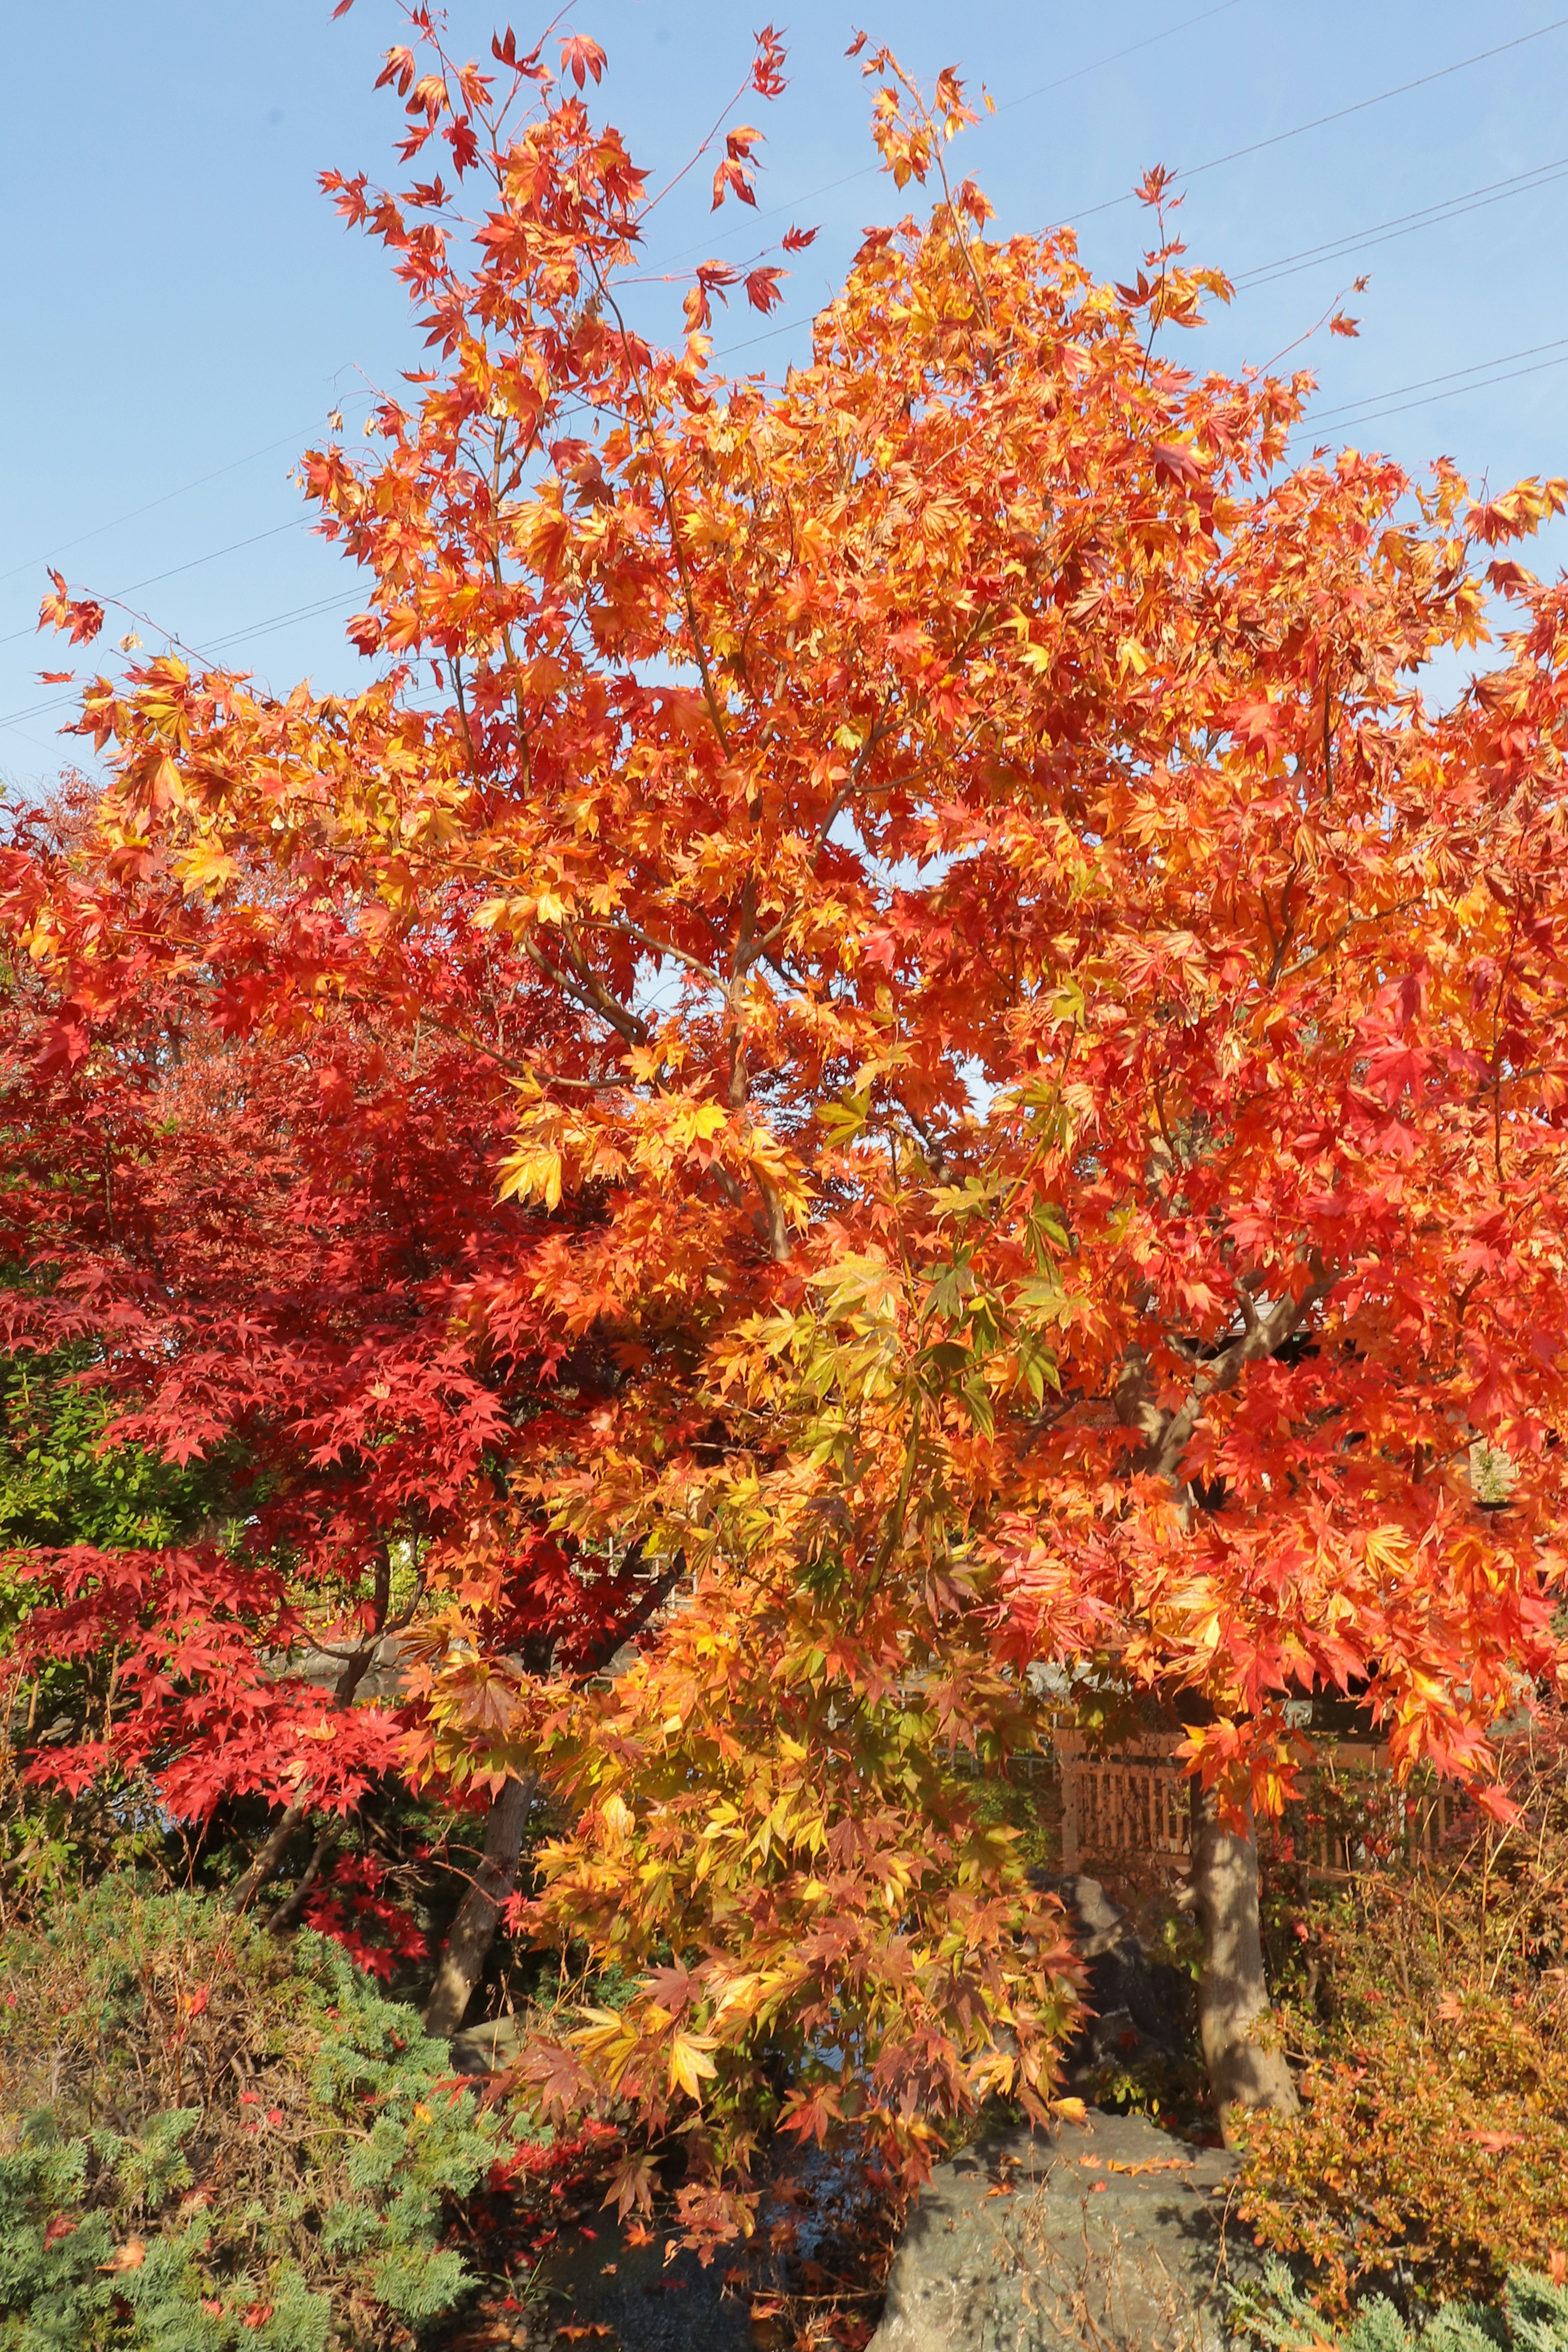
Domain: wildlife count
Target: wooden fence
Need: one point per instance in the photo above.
(1131, 1804)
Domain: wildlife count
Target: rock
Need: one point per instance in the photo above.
(487, 2049)
(1108, 2233)
(1140, 2009)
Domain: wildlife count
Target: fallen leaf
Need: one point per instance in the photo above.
(128, 2257)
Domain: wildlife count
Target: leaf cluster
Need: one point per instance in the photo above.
(212, 2140)
(1429, 2010)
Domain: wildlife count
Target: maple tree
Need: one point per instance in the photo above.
(248, 1263)
(1038, 1057)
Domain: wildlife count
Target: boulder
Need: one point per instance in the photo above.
(486, 2049)
(1104, 2234)
(1139, 2008)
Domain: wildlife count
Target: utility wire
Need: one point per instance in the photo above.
(1456, 381)
(1343, 113)
(282, 620)
(63, 547)
(175, 569)
(1451, 385)
(1397, 391)
(869, 171)
(1433, 215)
(1451, 208)
(1194, 170)
(216, 644)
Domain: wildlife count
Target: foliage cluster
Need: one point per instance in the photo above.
(1530, 2316)
(214, 2140)
(1430, 2008)
(897, 1000)
(60, 1485)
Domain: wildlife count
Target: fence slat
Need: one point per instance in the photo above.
(1132, 1799)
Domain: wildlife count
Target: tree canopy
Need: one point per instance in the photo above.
(901, 990)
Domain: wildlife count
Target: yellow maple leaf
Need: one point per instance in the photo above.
(689, 2064)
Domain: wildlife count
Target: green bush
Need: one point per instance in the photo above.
(212, 2140)
(1531, 2316)
(60, 1484)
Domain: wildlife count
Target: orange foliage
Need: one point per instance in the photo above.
(1058, 1096)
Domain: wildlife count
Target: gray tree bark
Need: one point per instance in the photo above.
(1232, 1995)
(473, 1930)
(264, 1868)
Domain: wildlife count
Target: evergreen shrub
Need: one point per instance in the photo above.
(212, 2140)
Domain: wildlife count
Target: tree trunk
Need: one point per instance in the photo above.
(245, 1889)
(1233, 1998)
(473, 1930)
(288, 1911)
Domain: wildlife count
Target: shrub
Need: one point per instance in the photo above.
(214, 2140)
(1429, 2008)
(1531, 2316)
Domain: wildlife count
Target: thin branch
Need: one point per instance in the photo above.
(590, 995)
(1351, 923)
(1262, 1336)
(629, 930)
(677, 547)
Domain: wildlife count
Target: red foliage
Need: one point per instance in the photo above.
(373, 1929)
(283, 1254)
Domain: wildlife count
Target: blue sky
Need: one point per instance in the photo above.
(185, 308)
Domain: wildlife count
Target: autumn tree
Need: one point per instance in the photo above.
(1055, 1022)
(242, 1274)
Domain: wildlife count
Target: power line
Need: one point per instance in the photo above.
(63, 547)
(1433, 215)
(1456, 379)
(1484, 385)
(1196, 171)
(1540, 176)
(869, 171)
(1449, 208)
(280, 621)
(1116, 58)
(298, 524)
(1403, 225)
(1374, 399)
(1342, 113)
(216, 644)
(1430, 216)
